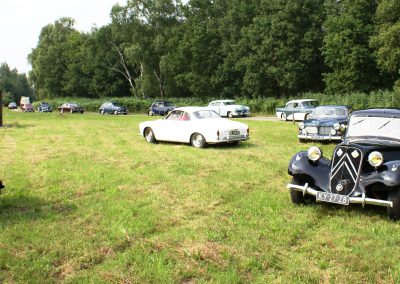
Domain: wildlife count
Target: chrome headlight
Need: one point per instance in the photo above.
(375, 159)
(342, 127)
(336, 126)
(333, 131)
(314, 153)
(301, 125)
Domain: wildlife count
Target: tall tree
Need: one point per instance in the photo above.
(282, 46)
(386, 40)
(51, 57)
(348, 28)
(14, 85)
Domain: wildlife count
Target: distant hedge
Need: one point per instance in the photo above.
(260, 105)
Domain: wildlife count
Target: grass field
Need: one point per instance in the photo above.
(88, 200)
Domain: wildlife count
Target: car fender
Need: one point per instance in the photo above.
(317, 173)
(390, 177)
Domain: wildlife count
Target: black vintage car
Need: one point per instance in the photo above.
(161, 108)
(44, 107)
(364, 169)
(326, 123)
(112, 108)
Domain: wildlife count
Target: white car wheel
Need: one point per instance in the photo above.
(198, 140)
(230, 115)
(283, 116)
(102, 111)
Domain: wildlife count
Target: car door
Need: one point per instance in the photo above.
(299, 114)
(289, 110)
(174, 127)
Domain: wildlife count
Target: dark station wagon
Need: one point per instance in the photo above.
(364, 169)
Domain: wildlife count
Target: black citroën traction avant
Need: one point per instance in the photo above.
(365, 167)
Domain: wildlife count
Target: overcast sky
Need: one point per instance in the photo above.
(22, 20)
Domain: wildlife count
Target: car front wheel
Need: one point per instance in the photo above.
(283, 116)
(230, 115)
(198, 140)
(394, 212)
(102, 111)
(149, 135)
(297, 196)
(150, 112)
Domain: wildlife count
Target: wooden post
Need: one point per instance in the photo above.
(1, 108)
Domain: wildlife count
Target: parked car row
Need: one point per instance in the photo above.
(363, 169)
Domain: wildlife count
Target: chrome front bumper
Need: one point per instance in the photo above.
(319, 137)
(356, 200)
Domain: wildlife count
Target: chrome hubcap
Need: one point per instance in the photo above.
(198, 140)
(149, 135)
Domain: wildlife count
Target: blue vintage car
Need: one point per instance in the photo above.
(296, 110)
(325, 123)
(161, 108)
(112, 108)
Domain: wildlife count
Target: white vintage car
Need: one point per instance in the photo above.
(229, 108)
(196, 125)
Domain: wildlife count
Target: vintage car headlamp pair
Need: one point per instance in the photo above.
(375, 158)
(301, 125)
(314, 153)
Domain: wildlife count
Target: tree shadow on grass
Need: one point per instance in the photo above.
(16, 125)
(21, 208)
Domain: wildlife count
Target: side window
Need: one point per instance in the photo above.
(218, 104)
(175, 115)
(212, 104)
(185, 116)
(161, 105)
(289, 106)
(296, 105)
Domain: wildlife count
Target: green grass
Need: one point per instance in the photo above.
(88, 200)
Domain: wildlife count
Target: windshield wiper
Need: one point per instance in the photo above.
(386, 123)
(360, 121)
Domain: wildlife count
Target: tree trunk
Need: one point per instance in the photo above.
(1, 108)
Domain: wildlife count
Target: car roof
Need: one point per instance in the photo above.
(378, 112)
(331, 106)
(300, 101)
(162, 102)
(222, 101)
(191, 109)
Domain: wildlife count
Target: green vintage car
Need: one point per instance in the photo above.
(296, 110)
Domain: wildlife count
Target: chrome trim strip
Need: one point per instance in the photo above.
(356, 200)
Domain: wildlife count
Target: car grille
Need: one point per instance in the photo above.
(324, 130)
(311, 129)
(345, 171)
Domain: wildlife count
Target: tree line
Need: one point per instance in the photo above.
(223, 48)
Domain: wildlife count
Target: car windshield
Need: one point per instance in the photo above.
(329, 112)
(375, 127)
(229, 103)
(310, 104)
(201, 114)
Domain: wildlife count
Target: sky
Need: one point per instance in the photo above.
(22, 20)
